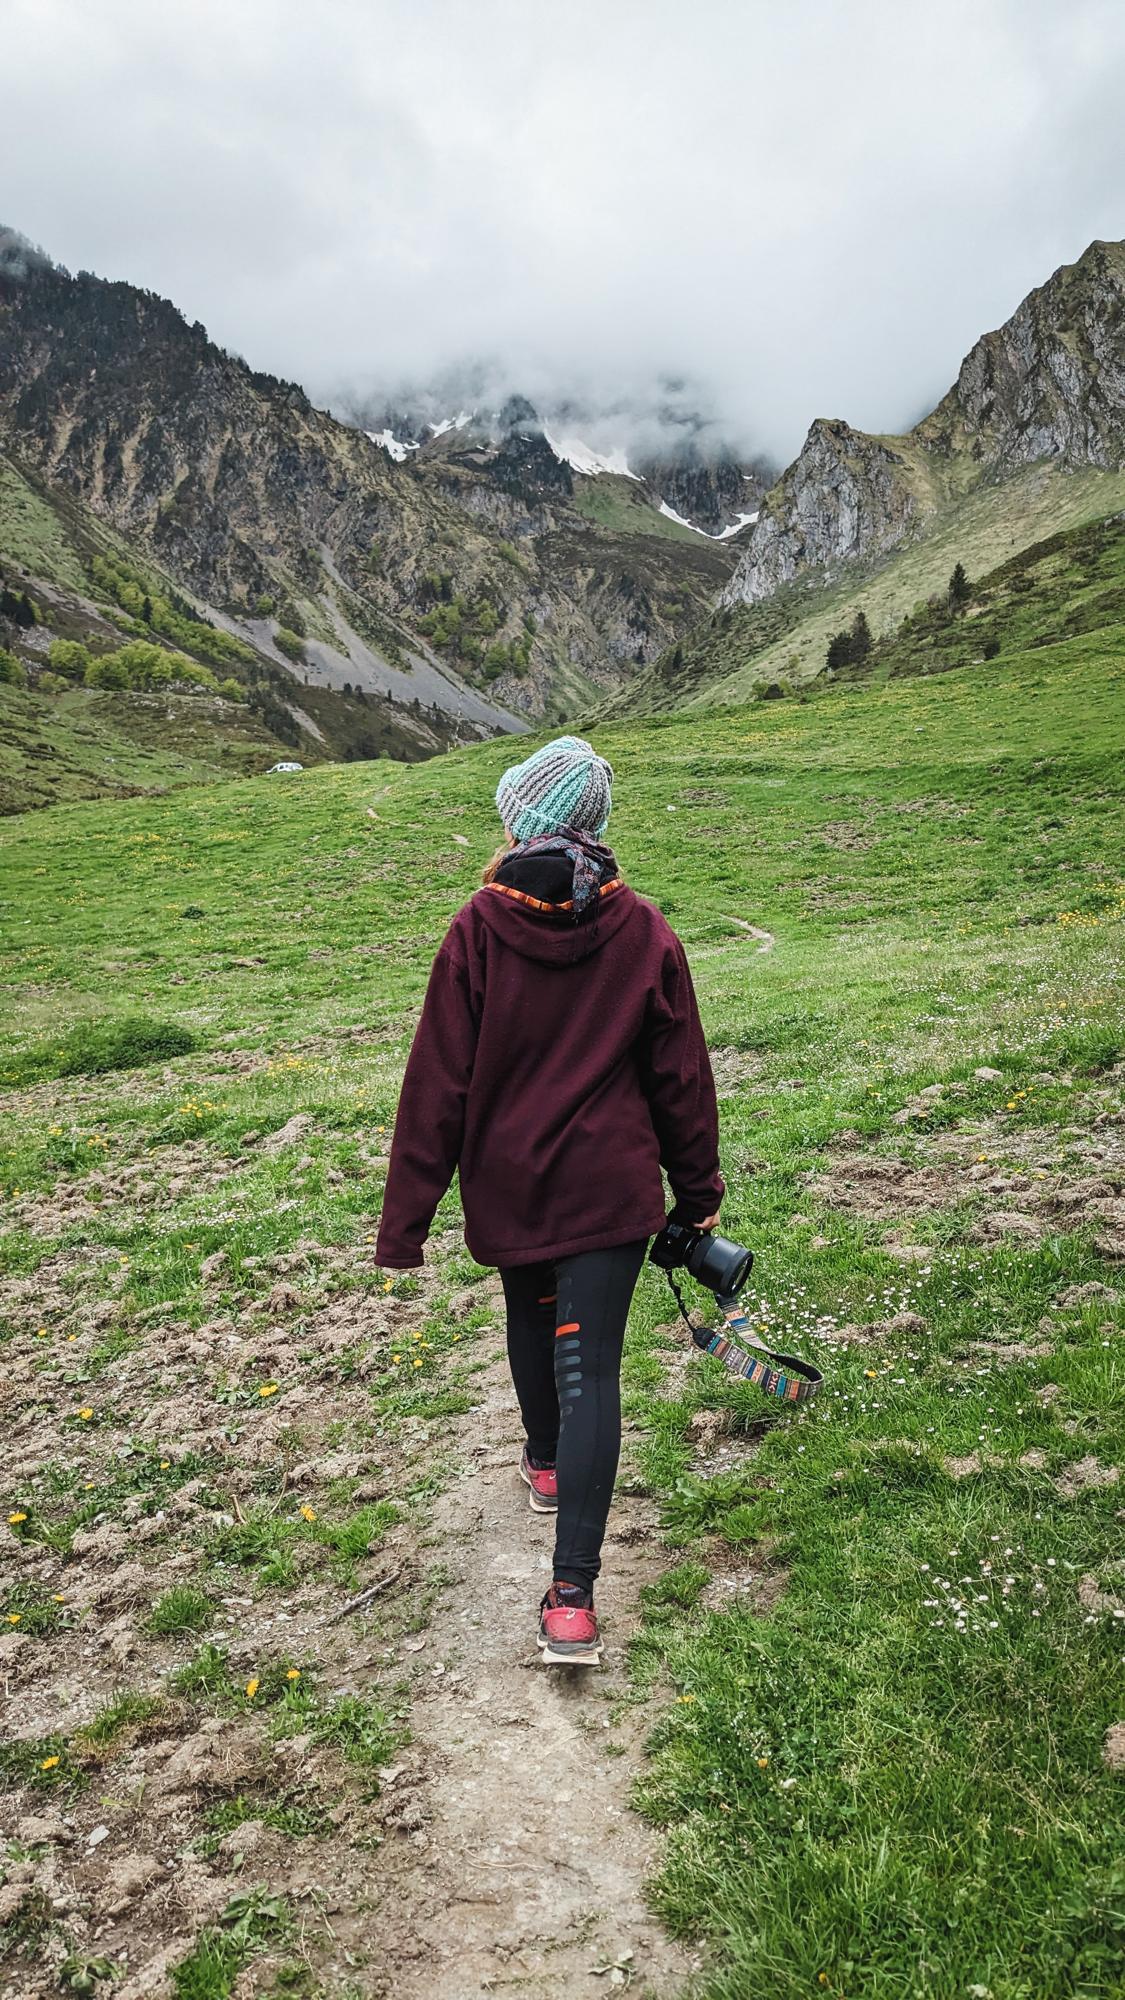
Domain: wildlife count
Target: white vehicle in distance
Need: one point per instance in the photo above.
(284, 767)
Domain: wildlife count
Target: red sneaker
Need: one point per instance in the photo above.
(568, 1628)
(542, 1482)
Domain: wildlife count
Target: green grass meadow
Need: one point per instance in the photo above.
(890, 1638)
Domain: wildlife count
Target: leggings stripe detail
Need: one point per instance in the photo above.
(566, 1378)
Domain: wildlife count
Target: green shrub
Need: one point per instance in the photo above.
(66, 656)
(288, 643)
(12, 671)
(107, 673)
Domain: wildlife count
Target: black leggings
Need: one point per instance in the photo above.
(566, 1326)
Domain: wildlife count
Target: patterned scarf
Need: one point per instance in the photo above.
(592, 861)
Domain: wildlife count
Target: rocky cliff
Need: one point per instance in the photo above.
(1047, 385)
(845, 495)
(1050, 383)
(481, 587)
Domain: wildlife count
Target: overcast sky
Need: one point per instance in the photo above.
(812, 207)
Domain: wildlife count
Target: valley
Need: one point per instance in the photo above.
(857, 1653)
(277, 1722)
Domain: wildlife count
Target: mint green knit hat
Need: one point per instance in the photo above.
(564, 784)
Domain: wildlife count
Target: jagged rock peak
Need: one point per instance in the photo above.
(845, 495)
(1047, 385)
(1050, 382)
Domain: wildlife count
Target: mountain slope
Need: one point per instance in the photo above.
(276, 516)
(1050, 384)
(1030, 440)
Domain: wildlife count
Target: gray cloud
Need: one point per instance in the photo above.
(812, 210)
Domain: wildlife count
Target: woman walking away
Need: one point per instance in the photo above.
(559, 1063)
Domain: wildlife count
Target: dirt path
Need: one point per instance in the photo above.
(766, 939)
(533, 1870)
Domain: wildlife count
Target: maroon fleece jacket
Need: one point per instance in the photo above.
(558, 1066)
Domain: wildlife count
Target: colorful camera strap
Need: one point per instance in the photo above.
(785, 1376)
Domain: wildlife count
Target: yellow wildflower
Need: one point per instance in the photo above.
(294, 1674)
(762, 1762)
(14, 1617)
(48, 1763)
(308, 1513)
(16, 1518)
(268, 1389)
(252, 1686)
(417, 1361)
(85, 1415)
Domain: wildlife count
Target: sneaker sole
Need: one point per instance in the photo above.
(537, 1504)
(577, 1656)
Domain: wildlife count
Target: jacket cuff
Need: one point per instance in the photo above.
(402, 1259)
(691, 1209)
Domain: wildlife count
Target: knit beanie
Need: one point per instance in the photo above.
(564, 784)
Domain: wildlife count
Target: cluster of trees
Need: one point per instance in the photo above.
(290, 643)
(140, 666)
(172, 617)
(850, 648)
(466, 628)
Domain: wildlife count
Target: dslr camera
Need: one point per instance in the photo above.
(714, 1261)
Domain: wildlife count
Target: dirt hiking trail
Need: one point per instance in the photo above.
(534, 1865)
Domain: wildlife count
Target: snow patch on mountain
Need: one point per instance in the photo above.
(583, 458)
(456, 423)
(734, 528)
(724, 534)
(397, 447)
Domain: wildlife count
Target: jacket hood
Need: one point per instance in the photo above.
(548, 933)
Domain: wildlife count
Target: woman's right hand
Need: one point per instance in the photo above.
(708, 1224)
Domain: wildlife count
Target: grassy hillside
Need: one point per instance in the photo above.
(60, 741)
(881, 1650)
(738, 651)
(1072, 583)
(83, 743)
(624, 508)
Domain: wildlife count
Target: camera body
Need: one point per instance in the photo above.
(714, 1261)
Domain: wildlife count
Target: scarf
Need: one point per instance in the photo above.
(593, 863)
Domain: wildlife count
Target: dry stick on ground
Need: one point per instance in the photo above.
(365, 1596)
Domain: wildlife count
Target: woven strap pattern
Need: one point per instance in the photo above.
(785, 1376)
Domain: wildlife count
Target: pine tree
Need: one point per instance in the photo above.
(861, 637)
(839, 652)
(960, 589)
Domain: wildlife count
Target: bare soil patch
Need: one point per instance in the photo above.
(499, 1848)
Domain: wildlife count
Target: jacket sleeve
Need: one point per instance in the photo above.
(677, 1081)
(430, 1121)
